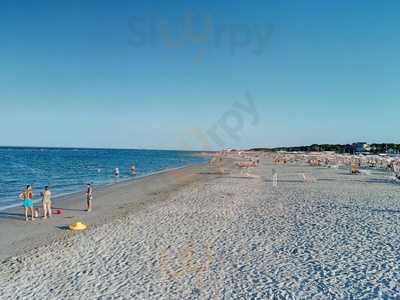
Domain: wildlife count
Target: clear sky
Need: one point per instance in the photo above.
(170, 74)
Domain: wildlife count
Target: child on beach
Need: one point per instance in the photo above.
(26, 196)
(46, 202)
(89, 197)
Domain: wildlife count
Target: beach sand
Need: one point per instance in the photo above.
(201, 235)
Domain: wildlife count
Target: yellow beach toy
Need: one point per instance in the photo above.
(77, 226)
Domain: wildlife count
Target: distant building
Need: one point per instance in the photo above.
(361, 147)
(367, 147)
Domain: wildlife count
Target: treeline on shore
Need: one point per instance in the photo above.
(347, 148)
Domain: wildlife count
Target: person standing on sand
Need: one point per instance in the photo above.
(89, 197)
(26, 196)
(46, 201)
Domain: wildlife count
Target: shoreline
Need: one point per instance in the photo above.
(98, 187)
(18, 236)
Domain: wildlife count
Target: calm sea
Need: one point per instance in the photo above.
(68, 170)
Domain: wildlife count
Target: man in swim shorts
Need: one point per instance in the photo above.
(89, 197)
(46, 201)
(26, 196)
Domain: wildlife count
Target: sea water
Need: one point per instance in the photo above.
(68, 170)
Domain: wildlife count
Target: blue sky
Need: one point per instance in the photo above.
(103, 74)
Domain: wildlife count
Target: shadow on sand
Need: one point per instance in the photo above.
(68, 209)
(63, 227)
(286, 181)
(212, 173)
(375, 180)
(15, 216)
(241, 177)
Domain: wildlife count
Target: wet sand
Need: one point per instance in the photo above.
(227, 237)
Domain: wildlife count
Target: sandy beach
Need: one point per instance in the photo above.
(196, 234)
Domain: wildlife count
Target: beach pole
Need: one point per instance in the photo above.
(274, 178)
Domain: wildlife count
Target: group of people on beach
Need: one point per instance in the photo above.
(27, 197)
(27, 201)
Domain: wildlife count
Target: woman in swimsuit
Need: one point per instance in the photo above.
(26, 196)
(46, 201)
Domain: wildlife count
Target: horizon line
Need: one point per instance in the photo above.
(100, 148)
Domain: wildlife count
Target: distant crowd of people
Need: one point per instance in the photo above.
(27, 198)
